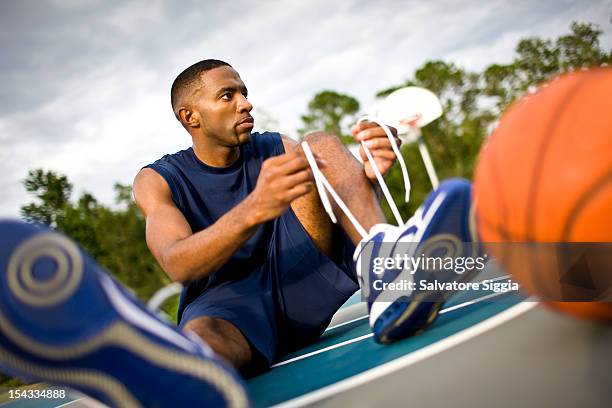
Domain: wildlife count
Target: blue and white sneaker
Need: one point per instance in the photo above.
(441, 227)
(65, 321)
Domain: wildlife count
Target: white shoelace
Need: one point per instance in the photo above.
(379, 176)
(418, 221)
(321, 183)
(323, 186)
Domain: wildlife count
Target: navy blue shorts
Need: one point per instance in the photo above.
(288, 301)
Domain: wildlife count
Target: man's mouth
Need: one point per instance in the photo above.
(246, 122)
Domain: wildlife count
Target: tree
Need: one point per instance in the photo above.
(52, 190)
(581, 48)
(538, 60)
(331, 112)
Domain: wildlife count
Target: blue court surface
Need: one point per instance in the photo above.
(485, 349)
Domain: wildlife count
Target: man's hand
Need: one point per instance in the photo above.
(379, 144)
(282, 179)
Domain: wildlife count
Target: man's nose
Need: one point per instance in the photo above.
(244, 105)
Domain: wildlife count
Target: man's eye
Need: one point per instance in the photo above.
(246, 95)
(227, 96)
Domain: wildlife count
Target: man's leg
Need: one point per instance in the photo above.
(346, 174)
(236, 320)
(445, 213)
(224, 338)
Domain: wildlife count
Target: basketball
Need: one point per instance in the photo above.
(545, 176)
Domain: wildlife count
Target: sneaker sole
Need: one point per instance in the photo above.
(162, 366)
(395, 331)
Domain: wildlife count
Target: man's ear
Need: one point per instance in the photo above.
(188, 118)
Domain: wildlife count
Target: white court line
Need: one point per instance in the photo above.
(471, 302)
(70, 402)
(334, 346)
(411, 358)
(87, 402)
(356, 339)
(441, 311)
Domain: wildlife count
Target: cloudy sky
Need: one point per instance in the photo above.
(84, 84)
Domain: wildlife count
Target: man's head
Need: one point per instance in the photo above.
(210, 100)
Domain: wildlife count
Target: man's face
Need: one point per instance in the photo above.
(223, 107)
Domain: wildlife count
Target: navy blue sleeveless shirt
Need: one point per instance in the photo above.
(204, 193)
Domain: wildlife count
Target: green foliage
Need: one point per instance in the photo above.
(453, 140)
(331, 112)
(52, 190)
(538, 60)
(115, 238)
(473, 102)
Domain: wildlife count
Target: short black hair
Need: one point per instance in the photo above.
(189, 77)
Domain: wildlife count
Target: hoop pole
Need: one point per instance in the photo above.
(431, 171)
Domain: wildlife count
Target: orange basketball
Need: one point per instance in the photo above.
(545, 176)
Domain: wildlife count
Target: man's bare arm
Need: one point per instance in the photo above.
(186, 256)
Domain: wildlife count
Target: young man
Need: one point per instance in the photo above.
(237, 219)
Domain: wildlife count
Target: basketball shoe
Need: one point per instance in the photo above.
(65, 321)
(404, 300)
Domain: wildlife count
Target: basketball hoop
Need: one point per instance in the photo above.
(408, 110)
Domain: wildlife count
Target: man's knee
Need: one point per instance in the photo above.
(339, 159)
(203, 325)
(224, 338)
(322, 140)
